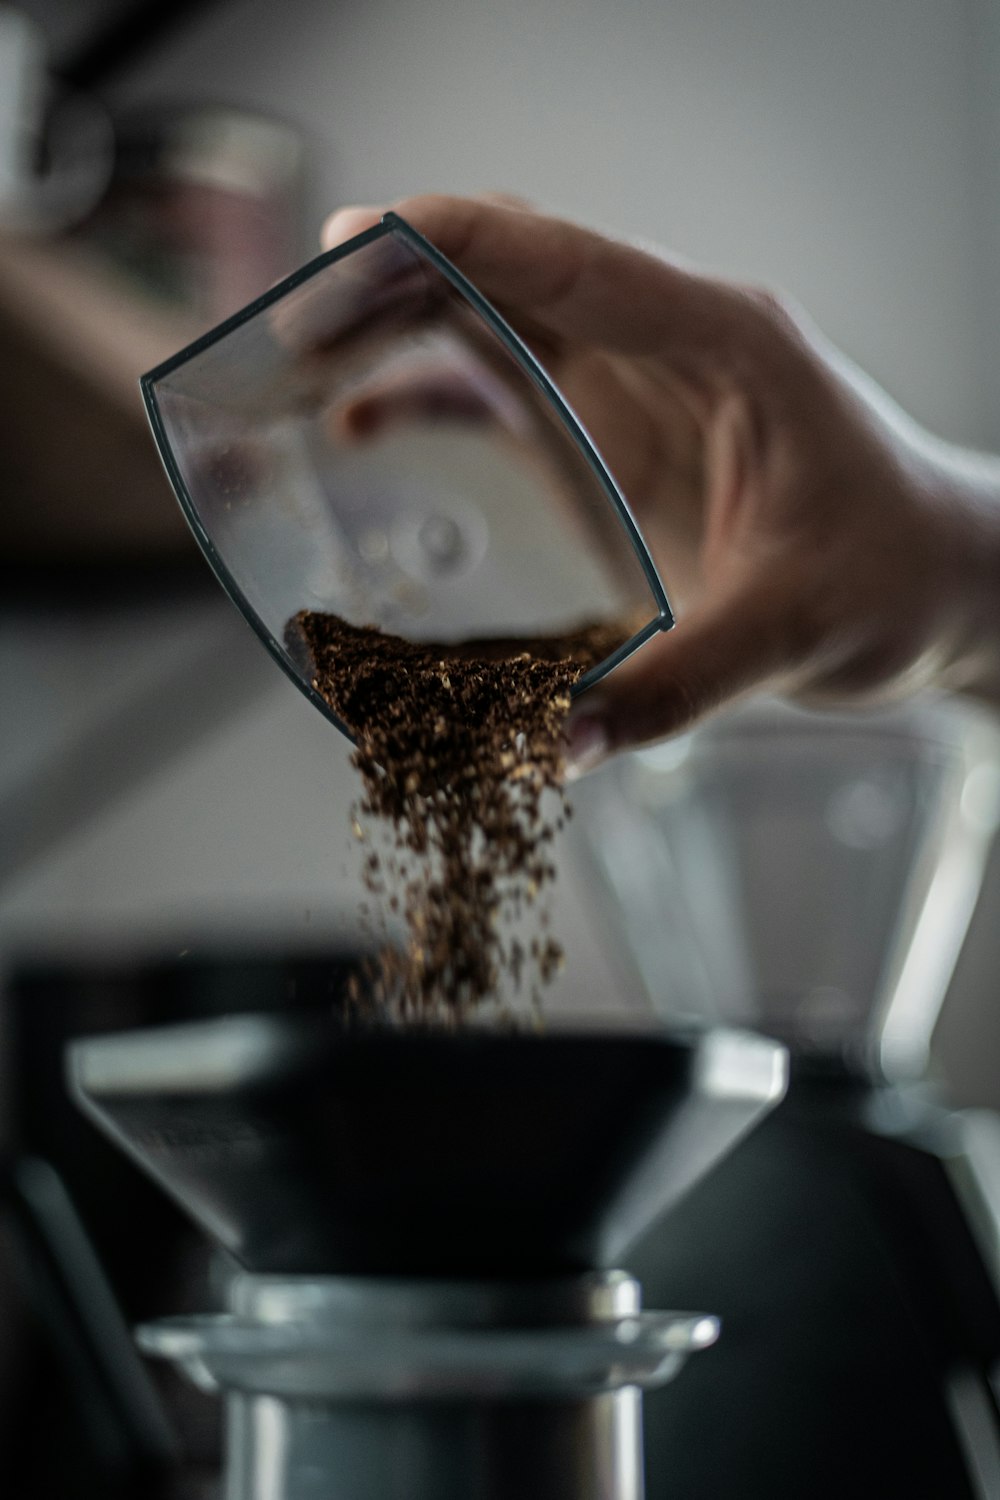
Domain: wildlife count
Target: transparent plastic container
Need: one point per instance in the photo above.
(811, 876)
(371, 439)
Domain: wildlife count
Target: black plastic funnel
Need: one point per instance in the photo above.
(304, 1147)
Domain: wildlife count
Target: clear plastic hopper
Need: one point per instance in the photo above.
(372, 440)
(808, 875)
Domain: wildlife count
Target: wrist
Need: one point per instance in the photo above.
(967, 507)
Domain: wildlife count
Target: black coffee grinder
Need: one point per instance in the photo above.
(421, 1226)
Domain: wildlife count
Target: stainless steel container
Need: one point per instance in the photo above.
(355, 1388)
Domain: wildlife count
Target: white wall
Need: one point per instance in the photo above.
(830, 148)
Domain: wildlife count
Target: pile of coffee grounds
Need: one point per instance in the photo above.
(461, 754)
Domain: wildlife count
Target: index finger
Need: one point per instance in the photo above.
(572, 281)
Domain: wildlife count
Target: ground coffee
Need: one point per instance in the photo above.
(460, 750)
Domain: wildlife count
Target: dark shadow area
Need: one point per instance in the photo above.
(70, 1427)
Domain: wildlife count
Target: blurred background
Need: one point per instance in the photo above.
(162, 788)
(173, 814)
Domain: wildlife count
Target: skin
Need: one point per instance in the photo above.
(816, 541)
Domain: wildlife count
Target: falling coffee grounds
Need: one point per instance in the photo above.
(461, 752)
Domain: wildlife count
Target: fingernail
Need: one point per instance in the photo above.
(347, 221)
(587, 744)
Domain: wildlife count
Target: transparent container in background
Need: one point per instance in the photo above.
(811, 876)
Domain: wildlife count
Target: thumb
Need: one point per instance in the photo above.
(715, 654)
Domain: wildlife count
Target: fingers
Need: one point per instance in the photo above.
(573, 281)
(713, 656)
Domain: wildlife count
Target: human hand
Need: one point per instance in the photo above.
(816, 541)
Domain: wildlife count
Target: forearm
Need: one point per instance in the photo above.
(969, 501)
